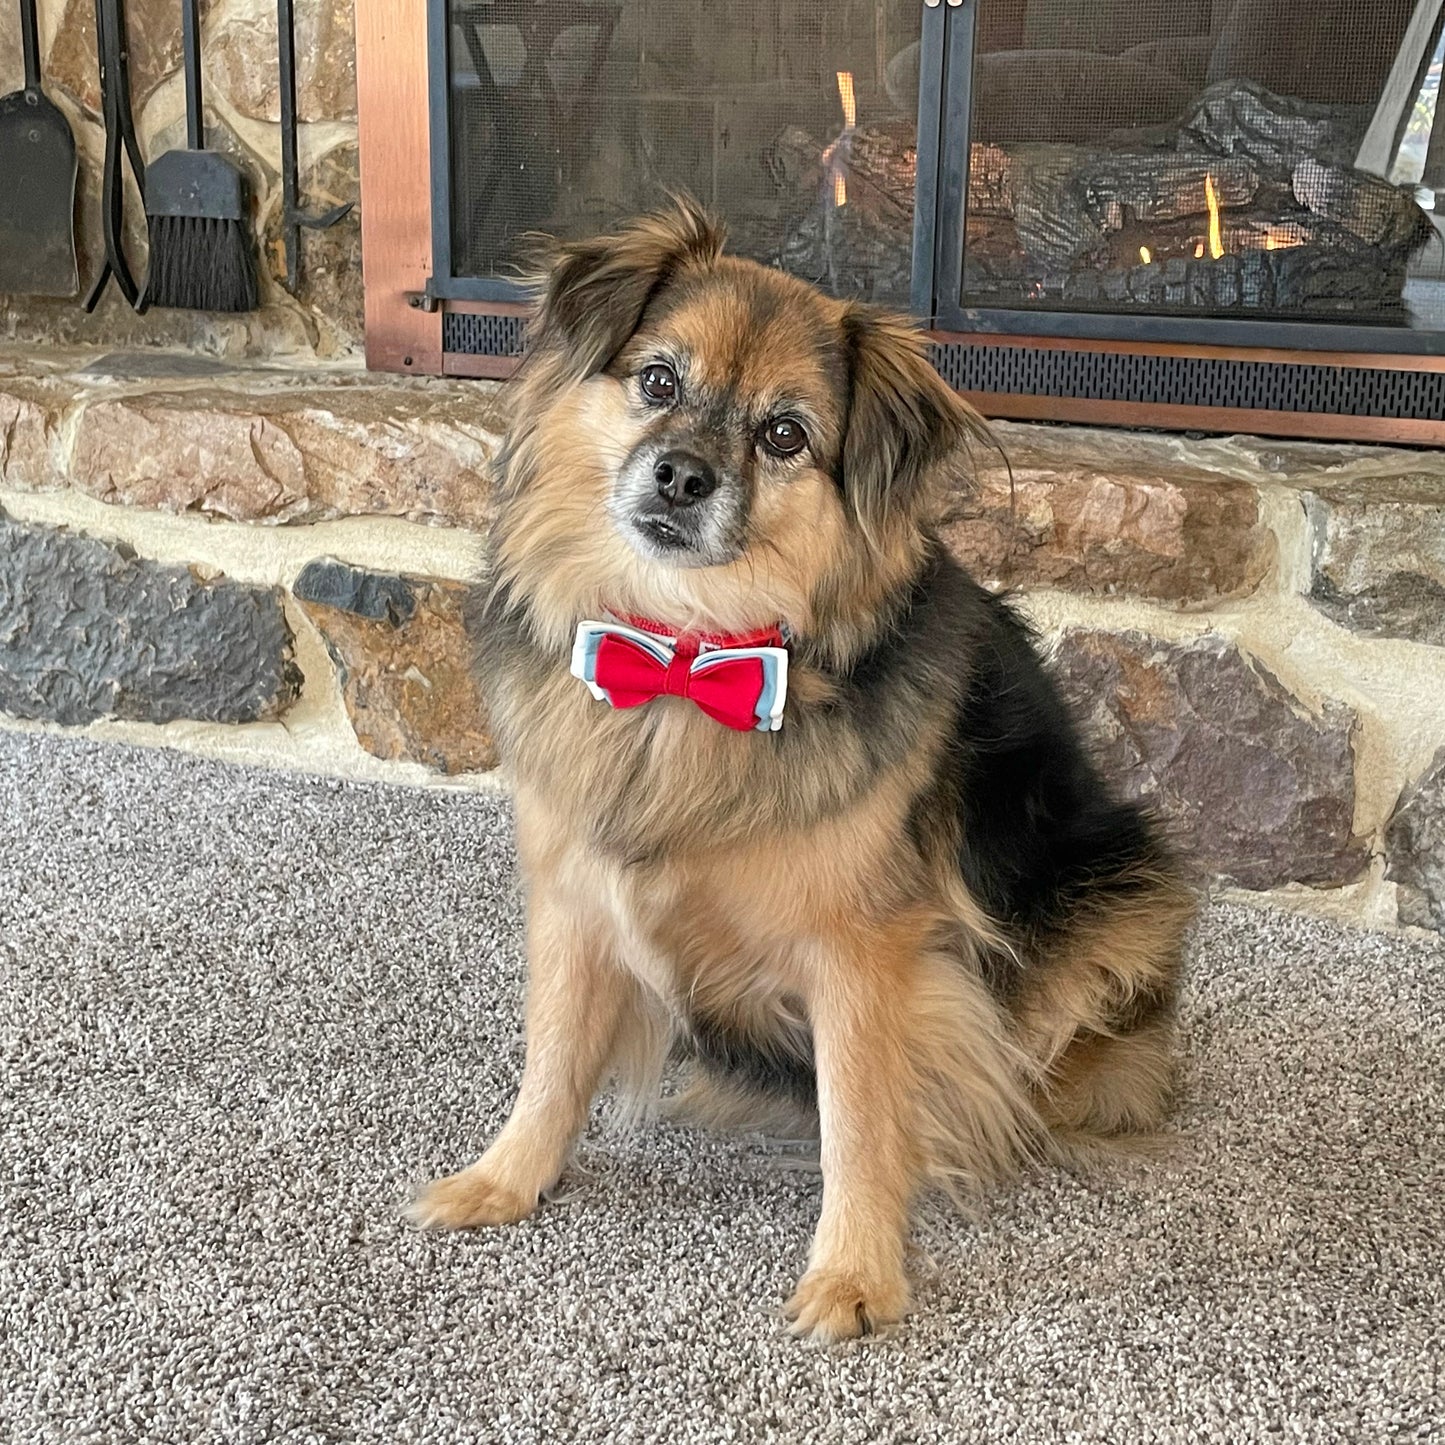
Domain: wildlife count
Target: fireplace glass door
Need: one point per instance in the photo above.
(794, 121)
(1246, 159)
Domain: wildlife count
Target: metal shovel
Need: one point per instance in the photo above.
(37, 193)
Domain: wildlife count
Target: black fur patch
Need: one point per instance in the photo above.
(781, 1065)
(1040, 832)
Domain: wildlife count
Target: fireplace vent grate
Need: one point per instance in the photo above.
(1225, 382)
(1228, 383)
(478, 334)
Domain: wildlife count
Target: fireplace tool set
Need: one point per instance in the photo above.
(198, 203)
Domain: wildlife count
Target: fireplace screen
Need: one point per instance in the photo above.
(1137, 211)
(796, 122)
(1255, 159)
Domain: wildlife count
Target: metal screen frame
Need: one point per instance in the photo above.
(445, 285)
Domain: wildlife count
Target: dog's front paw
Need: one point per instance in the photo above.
(831, 1304)
(467, 1200)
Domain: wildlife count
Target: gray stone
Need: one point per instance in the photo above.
(88, 630)
(1415, 849)
(375, 596)
(1257, 790)
(1379, 558)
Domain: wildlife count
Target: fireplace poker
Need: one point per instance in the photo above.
(293, 218)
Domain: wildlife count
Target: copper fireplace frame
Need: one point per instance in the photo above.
(404, 322)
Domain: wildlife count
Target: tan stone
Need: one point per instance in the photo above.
(221, 138)
(306, 454)
(154, 31)
(12, 68)
(1113, 524)
(31, 410)
(406, 674)
(241, 58)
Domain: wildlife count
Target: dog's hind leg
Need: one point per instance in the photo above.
(579, 1004)
(1103, 1085)
(1099, 1019)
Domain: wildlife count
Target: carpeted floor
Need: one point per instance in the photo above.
(240, 1011)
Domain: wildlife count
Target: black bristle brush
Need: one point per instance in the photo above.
(202, 247)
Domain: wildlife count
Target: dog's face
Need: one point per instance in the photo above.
(733, 383)
(711, 442)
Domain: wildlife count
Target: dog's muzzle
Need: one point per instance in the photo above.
(674, 506)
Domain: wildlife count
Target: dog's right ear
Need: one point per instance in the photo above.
(594, 292)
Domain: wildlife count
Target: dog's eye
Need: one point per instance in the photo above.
(784, 436)
(659, 382)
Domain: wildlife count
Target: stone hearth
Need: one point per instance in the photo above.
(1252, 628)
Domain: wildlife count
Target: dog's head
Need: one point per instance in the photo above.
(710, 441)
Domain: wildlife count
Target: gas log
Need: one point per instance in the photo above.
(1248, 202)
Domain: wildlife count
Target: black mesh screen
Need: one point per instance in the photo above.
(1205, 158)
(1194, 381)
(795, 121)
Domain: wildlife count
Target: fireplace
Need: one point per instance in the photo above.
(1196, 213)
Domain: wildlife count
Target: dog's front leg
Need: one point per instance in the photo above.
(855, 1280)
(575, 1001)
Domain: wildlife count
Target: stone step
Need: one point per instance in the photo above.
(1253, 629)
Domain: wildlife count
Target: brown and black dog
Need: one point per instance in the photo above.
(794, 795)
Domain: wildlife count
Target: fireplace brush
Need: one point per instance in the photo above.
(203, 250)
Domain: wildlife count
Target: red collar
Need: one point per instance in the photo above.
(775, 636)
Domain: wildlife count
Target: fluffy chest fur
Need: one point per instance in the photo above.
(730, 938)
(664, 780)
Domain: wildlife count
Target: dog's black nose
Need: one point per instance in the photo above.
(683, 479)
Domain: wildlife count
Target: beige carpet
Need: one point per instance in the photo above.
(239, 1012)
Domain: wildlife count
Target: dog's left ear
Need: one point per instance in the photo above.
(594, 292)
(907, 434)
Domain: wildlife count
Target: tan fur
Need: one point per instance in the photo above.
(678, 868)
(1070, 1019)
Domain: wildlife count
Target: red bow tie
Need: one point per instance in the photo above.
(741, 682)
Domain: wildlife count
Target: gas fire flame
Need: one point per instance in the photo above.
(1211, 199)
(1281, 238)
(847, 97)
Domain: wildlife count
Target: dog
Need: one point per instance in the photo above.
(795, 797)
